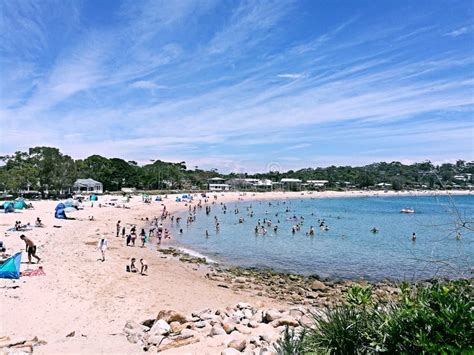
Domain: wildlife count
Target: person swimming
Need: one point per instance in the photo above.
(374, 230)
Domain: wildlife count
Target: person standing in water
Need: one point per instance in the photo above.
(102, 246)
(413, 237)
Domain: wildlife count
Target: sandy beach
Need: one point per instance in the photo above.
(94, 299)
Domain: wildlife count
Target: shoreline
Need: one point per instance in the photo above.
(95, 299)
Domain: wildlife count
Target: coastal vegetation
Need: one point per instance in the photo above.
(433, 317)
(47, 169)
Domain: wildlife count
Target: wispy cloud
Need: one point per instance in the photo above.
(291, 75)
(459, 31)
(244, 85)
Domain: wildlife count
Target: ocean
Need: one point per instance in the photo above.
(348, 249)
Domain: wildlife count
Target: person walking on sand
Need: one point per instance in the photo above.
(102, 246)
(143, 237)
(30, 248)
(118, 228)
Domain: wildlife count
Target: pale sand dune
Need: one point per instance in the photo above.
(95, 299)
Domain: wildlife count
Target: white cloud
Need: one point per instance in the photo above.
(291, 76)
(460, 31)
(144, 84)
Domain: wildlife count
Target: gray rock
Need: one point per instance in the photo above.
(171, 316)
(253, 324)
(201, 312)
(271, 315)
(243, 329)
(155, 339)
(258, 316)
(247, 313)
(237, 344)
(318, 286)
(285, 321)
(161, 327)
(217, 330)
(243, 305)
(200, 324)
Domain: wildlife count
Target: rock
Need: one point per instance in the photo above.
(201, 312)
(230, 351)
(152, 349)
(237, 344)
(176, 343)
(135, 326)
(271, 315)
(253, 324)
(266, 351)
(171, 316)
(228, 327)
(306, 321)
(149, 323)
(155, 339)
(258, 316)
(317, 286)
(245, 321)
(238, 314)
(217, 330)
(285, 321)
(240, 280)
(133, 338)
(243, 329)
(161, 327)
(247, 313)
(242, 305)
(200, 324)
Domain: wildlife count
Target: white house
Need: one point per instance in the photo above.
(88, 186)
(318, 183)
(218, 184)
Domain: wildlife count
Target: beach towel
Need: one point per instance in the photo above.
(37, 272)
(10, 269)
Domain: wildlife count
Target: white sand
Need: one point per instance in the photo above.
(95, 299)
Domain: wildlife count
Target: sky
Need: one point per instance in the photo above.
(240, 85)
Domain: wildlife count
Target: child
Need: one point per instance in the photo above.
(144, 267)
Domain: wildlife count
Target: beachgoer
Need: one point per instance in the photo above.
(143, 237)
(118, 228)
(30, 248)
(38, 222)
(144, 267)
(413, 237)
(133, 268)
(123, 232)
(102, 246)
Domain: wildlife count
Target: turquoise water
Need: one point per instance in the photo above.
(348, 249)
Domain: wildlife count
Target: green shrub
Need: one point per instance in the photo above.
(290, 343)
(438, 318)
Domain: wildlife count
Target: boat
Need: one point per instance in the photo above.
(407, 210)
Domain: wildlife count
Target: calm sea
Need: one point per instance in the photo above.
(349, 249)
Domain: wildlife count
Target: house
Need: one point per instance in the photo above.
(88, 186)
(317, 183)
(289, 183)
(217, 184)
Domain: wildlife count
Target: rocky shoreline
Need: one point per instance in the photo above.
(293, 289)
(233, 330)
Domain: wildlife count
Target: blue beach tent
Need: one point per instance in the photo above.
(19, 205)
(8, 207)
(10, 269)
(60, 206)
(93, 198)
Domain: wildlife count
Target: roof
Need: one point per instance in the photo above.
(86, 182)
(290, 180)
(216, 179)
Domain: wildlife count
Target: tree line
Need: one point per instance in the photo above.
(47, 169)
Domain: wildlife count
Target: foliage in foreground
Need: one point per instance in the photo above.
(437, 318)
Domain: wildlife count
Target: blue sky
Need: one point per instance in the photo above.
(240, 85)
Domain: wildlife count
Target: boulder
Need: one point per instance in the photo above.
(237, 344)
(242, 305)
(176, 343)
(217, 330)
(253, 324)
(155, 339)
(243, 329)
(318, 286)
(228, 327)
(161, 327)
(271, 315)
(201, 312)
(171, 316)
(200, 324)
(258, 316)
